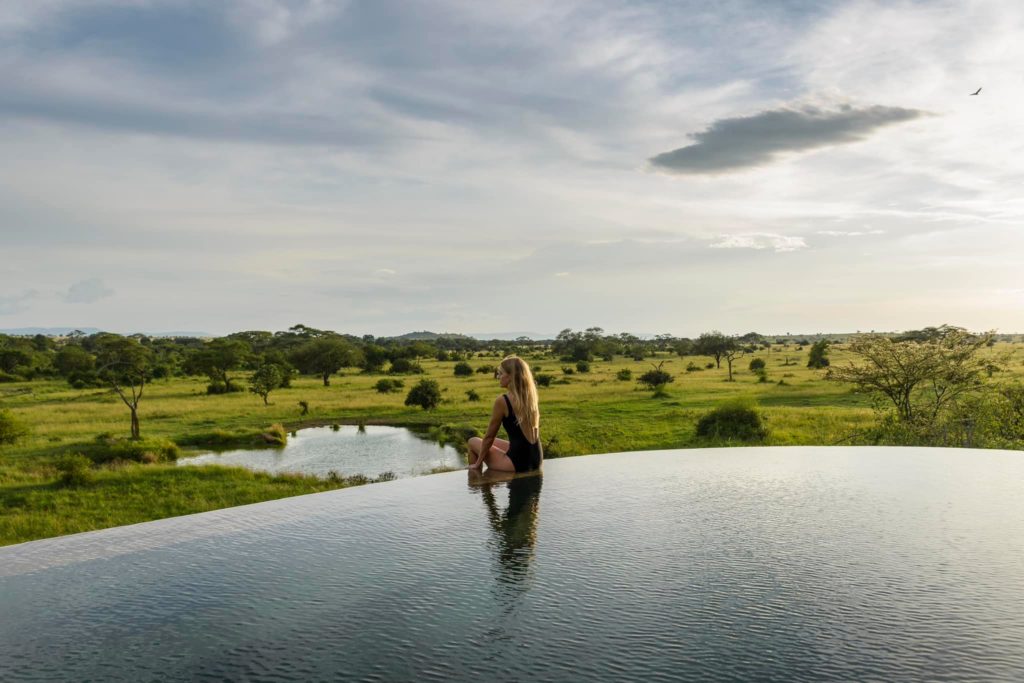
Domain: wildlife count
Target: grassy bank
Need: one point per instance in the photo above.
(582, 413)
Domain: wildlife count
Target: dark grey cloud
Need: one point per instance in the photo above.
(731, 144)
(87, 291)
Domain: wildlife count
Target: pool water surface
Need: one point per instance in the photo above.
(773, 564)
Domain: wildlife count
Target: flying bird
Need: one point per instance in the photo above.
(976, 91)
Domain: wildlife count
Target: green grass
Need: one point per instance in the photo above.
(592, 413)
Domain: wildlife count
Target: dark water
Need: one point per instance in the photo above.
(802, 564)
(369, 451)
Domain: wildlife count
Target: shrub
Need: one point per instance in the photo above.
(818, 357)
(568, 370)
(472, 395)
(427, 393)
(404, 366)
(11, 428)
(108, 449)
(709, 366)
(652, 379)
(74, 469)
(386, 386)
(220, 388)
(693, 367)
(624, 375)
(543, 380)
(757, 364)
(735, 419)
(485, 370)
(276, 434)
(305, 407)
(463, 369)
(582, 366)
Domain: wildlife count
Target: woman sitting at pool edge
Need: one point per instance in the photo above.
(519, 413)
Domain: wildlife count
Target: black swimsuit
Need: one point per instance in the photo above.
(525, 456)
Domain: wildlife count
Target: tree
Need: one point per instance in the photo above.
(655, 379)
(731, 352)
(919, 378)
(216, 359)
(266, 378)
(76, 365)
(125, 365)
(818, 357)
(326, 356)
(713, 344)
(426, 394)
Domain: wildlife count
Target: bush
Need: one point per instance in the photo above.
(543, 380)
(735, 419)
(818, 357)
(386, 386)
(276, 434)
(568, 370)
(218, 388)
(485, 370)
(709, 366)
(655, 378)
(757, 364)
(427, 393)
(582, 366)
(693, 367)
(74, 469)
(472, 395)
(463, 369)
(108, 449)
(11, 428)
(624, 375)
(6, 377)
(404, 366)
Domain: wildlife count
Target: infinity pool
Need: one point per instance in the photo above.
(773, 564)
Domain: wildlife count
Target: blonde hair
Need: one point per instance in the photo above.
(522, 392)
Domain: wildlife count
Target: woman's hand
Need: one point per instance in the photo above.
(476, 466)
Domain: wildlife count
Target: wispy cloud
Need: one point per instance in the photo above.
(87, 291)
(849, 233)
(17, 303)
(736, 143)
(760, 240)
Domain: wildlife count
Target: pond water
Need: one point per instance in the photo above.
(768, 564)
(349, 450)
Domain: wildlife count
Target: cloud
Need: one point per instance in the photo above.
(87, 291)
(849, 233)
(742, 142)
(17, 303)
(760, 240)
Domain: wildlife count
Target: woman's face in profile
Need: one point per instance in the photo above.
(503, 377)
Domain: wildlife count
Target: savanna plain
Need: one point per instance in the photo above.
(596, 411)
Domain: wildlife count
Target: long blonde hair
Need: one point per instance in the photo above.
(522, 392)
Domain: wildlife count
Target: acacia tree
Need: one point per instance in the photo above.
(919, 377)
(266, 378)
(713, 344)
(326, 356)
(731, 351)
(217, 358)
(125, 365)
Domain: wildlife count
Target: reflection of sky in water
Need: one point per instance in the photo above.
(798, 564)
(348, 451)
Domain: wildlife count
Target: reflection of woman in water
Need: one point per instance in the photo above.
(519, 413)
(515, 531)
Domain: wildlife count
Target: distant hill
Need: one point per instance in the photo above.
(64, 331)
(49, 331)
(428, 336)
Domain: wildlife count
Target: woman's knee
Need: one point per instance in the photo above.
(473, 444)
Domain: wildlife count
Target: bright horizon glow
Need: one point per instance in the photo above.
(381, 168)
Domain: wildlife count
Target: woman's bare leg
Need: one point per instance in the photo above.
(496, 459)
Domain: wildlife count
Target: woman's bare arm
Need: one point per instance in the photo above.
(497, 412)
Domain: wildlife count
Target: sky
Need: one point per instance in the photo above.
(378, 167)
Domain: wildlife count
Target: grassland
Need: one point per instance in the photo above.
(581, 413)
